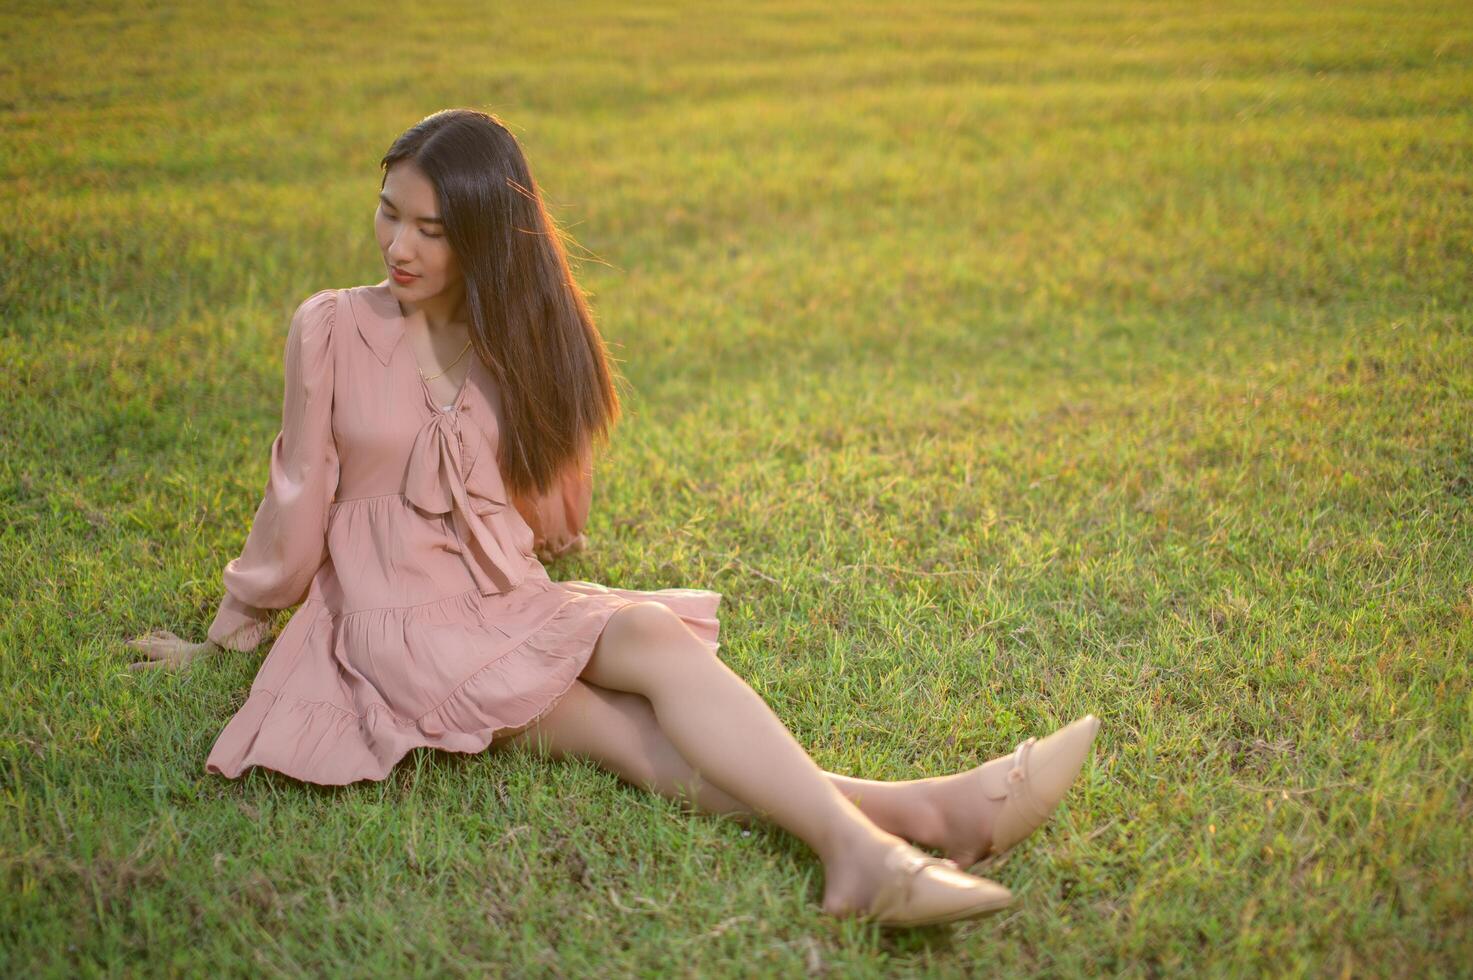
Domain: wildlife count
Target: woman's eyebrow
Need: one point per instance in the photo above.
(385, 198)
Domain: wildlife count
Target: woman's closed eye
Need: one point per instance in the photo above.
(393, 217)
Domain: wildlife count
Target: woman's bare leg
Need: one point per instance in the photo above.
(732, 738)
(619, 731)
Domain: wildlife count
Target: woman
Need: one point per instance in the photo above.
(413, 490)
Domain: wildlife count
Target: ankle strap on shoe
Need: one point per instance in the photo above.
(1020, 783)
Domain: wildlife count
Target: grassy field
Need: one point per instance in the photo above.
(996, 362)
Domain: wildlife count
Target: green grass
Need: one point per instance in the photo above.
(997, 363)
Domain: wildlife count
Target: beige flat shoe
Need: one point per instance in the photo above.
(1033, 781)
(925, 890)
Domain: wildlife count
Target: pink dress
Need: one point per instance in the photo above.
(425, 617)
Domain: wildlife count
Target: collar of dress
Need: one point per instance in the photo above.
(379, 318)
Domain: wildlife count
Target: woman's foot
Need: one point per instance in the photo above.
(990, 808)
(887, 881)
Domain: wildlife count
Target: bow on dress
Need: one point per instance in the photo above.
(443, 479)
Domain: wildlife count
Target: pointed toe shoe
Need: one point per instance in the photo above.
(1031, 783)
(923, 890)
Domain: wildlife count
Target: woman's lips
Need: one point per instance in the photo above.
(401, 276)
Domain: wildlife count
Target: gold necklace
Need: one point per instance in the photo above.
(452, 363)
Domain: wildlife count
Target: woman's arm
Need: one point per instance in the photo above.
(557, 518)
(287, 542)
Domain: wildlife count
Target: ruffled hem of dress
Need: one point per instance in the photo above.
(327, 744)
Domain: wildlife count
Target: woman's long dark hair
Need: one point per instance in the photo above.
(530, 322)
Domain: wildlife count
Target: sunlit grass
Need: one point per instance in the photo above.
(997, 363)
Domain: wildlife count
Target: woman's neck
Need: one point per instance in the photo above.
(441, 314)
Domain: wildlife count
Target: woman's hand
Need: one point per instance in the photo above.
(546, 554)
(249, 636)
(164, 649)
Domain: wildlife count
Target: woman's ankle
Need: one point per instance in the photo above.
(856, 846)
(925, 813)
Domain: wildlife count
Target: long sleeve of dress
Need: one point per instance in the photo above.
(558, 517)
(287, 542)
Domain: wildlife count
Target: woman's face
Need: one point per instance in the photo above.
(411, 237)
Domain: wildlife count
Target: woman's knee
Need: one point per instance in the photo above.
(641, 647)
(648, 626)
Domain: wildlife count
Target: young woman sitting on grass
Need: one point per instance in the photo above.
(435, 449)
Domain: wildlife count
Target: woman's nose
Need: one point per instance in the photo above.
(398, 254)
